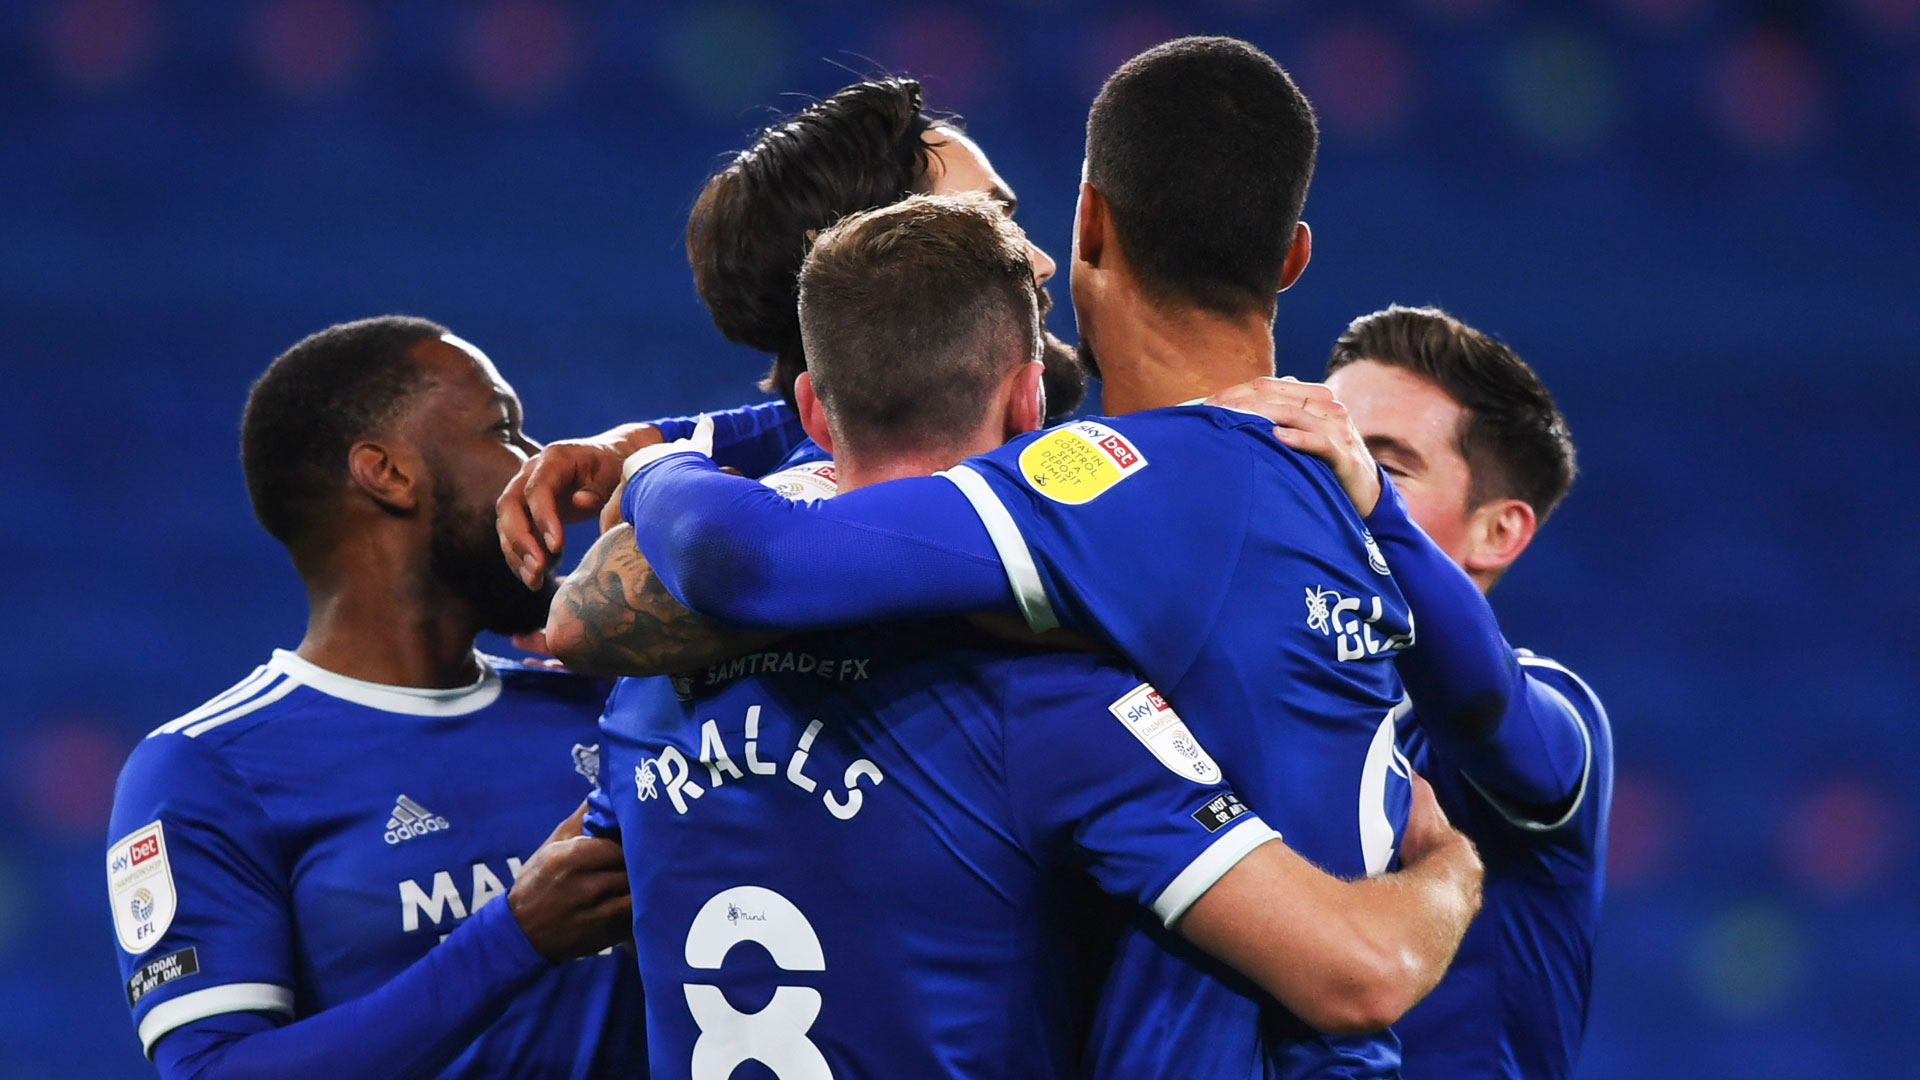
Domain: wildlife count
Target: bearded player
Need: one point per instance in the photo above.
(330, 869)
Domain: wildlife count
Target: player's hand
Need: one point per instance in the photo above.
(1310, 419)
(1429, 833)
(571, 480)
(571, 899)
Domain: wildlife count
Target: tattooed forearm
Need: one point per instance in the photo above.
(613, 617)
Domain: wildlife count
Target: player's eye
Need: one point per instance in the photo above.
(1393, 470)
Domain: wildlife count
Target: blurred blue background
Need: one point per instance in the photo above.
(1696, 218)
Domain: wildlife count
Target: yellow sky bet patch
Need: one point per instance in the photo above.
(1079, 462)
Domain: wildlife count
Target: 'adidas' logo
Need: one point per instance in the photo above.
(410, 819)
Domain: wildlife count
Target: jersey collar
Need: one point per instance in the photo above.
(413, 701)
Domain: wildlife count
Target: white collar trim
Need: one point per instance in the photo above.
(413, 701)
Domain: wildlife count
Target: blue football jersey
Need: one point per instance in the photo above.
(1236, 575)
(299, 840)
(902, 821)
(1514, 1003)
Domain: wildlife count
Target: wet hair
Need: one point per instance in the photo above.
(312, 404)
(1203, 148)
(1512, 435)
(859, 148)
(912, 315)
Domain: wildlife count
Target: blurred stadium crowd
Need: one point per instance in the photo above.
(1694, 217)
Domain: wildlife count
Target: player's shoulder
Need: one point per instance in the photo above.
(1156, 455)
(267, 693)
(537, 676)
(1576, 690)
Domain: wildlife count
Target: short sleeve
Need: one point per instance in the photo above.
(1130, 528)
(200, 911)
(1103, 772)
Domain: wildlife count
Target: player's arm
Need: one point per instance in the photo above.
(1513, 735)
(212, 983)
(612, 616)
(1345, 956)
(1130, 790)
(739, 553)
(571, 479)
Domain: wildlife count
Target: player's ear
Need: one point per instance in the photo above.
(389, 475)
(1501, 530)
(1298, 254)
(813, 415)
(1026, 400)
(1090, 226)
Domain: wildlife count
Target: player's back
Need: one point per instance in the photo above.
(1237, 576)
(1514, 1002)
(308, 836)
(898, 818)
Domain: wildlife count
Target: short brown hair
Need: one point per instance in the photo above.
(911, 313)
(1513, 437)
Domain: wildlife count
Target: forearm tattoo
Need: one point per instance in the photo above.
(627, 623)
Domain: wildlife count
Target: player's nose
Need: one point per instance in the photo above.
(1043, 266)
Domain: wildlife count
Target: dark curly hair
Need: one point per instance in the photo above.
(859, 148)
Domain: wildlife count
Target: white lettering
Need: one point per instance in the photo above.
(851, 806)
(799, 759)
(414, 902)
(764, 768)
(485, 886)
(713, 753)
(673, 771)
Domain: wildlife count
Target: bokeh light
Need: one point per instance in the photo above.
(1899, 18)
(946, 50)
(725, 58)
(1841, 837)
(307, 47)
(95, 44)
(1460, 10)
(1662, 15)
(1361, 77)
(1746, 960)
(14, 901)
(1560, 88)
(520, 52)
(1643, 831)
(62, 776)
(1765, 91)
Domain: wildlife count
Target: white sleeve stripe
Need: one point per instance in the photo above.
(1022, 573)
(231, 697)
(287, 686)
(1521, 821)
(1593, 699)
(213, 1001)
(1210, 866)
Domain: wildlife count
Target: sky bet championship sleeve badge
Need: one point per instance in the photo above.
(1078, 462)
(1151, 720)
(140, 883)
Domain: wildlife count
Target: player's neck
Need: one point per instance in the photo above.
(390, 632)
(1150, 359)
(852, 472)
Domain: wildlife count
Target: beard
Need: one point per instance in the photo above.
(1064, 376)
(465, 556)
(1089, 363)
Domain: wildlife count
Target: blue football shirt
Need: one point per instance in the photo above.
(299, 840)
(1236, 575)
(1514, 1003)
(863, 854)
